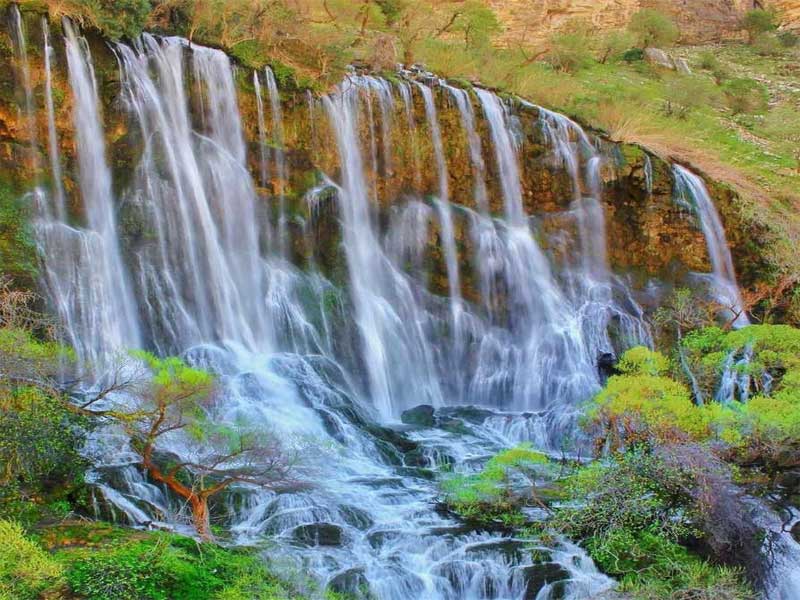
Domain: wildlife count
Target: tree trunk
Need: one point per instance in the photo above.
(200, 517)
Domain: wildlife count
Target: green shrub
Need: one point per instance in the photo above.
(633, 55)
(164, 567)
(570, 52)
(767, 44)
(746, 96)
(758, 22)
(653, 29)
(488, 495)
(651, 566)
(643, 361)
(17, 246)
(788, 39)
(637, 491)
(40, 441)
(26, 569)
(686, 94)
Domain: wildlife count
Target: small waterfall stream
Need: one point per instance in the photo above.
(691, 192)
(325, 367)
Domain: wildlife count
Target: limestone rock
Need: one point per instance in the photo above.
(658, 57)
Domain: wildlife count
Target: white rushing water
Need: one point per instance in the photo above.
(691, 192)
(319, 365)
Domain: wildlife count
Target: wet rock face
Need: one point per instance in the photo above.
(421, 416)
(536, 577)
(318, 534)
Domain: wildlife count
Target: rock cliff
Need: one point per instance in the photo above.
(700, 20)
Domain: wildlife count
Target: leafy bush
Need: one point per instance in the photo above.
(613, 45)
(163, 566)
(767, 44)
(653, 29)
(488, 495)
(643, 361)
(40, 441)
(645, 409)
(635, 511)
(788, 39)
(637, 491)
(26, 570)
(633, 55)
(651, 566)
(746, 96)
(686, 94)
(17, 246)
(570, 52)
(710, 62)
(757, 22)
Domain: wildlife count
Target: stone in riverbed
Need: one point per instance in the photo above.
(538, 576)
(351, 583)
(318, 534)
(421, 416)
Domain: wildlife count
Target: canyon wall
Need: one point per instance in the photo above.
(700, 20)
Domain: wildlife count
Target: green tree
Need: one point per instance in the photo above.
(757, 22)
(746, 96)
(653, 29)
(613, 45)
(177, 398)
(570, 52)
(477, 22)
(686, 94)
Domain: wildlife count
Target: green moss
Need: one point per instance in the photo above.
(487, 496)
(161, 566)
(26, 569)
(17, 245)
(43, 471)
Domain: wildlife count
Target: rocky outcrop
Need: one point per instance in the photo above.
(699, 20)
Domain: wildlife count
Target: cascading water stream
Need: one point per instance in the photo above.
(396, 351)
(691, 192)
(445, 213)
(52, 134)
(467, 115)
(281, 172)
(21, 54)
(559, 366)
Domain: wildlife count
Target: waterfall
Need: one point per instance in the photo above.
(692, 192)
(52, 135)
(205, 277)
(444, 209)
(85, 274)
(467, 115)
(23, 66)
(281, 173)
(395, 349)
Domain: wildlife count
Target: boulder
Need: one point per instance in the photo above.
(420, 416)
(538, 576)
(351, 583)
(659, 58)
(318, 534)
(682, 66)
